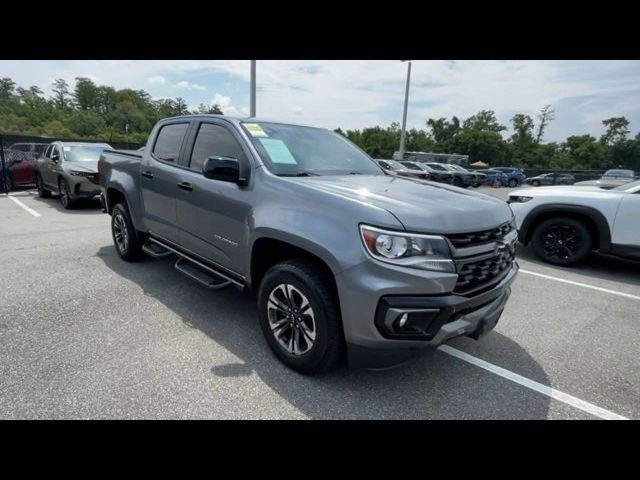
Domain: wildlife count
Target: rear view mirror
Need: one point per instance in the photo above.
(225, 169)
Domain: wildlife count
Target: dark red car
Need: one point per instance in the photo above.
(20, 162)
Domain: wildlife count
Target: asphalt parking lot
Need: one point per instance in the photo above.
(86, 335)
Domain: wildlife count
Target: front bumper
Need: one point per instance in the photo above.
(444, 316)
(83, 187)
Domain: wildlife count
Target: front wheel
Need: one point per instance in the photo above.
(124, 235)
(513, 183)
(562, 241)
(65, 195)
(535, 183)
(300, 317)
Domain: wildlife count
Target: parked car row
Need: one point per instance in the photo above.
(455, 174)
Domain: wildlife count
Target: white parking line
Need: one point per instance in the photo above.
(538, 387)
(570, 282)
(30, 210)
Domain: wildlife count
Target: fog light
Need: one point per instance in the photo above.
(403, 320)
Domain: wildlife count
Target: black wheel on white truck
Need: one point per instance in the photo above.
(562, 241)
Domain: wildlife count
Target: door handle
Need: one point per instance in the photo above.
(185, 186)
(147, 174)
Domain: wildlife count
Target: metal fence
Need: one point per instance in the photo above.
(17, 162)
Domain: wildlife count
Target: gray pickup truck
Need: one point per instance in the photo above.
(348, 261)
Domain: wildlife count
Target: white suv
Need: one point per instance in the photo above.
(564, 224)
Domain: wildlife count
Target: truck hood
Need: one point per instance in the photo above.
(420, 206)
(88, 166)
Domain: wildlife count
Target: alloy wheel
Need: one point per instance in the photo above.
(561, 241)
(291, 319)
(120, 232)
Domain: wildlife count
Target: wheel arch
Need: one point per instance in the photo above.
(594, 219)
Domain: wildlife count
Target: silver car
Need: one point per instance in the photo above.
(70, 169)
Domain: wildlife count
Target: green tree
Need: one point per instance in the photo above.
(583, 152)
(617, 131)
(61, 93)
(209, 110)
(545, 117)
(86, 94)
(522, 143)
(485, 121)
(7, 88)
(442, 130)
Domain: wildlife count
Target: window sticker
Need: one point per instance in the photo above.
(278, 151)
(255, 130)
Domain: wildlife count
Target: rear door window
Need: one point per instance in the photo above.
(169, 142)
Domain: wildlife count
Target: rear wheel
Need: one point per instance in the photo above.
(300, 317)
(125, 238)
(535, 183)
(457, 182)
(562, 241)
(42, 192)
(513, 183)
(65, 195)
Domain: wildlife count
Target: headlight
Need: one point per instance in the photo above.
(518, 199)
(78, 173)
(414, 250)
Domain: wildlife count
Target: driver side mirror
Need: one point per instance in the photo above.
(225, 169)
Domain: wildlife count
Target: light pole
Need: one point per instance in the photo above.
(404, 114)
(252, 101)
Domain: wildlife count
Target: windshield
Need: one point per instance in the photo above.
(438, 166)
(395, 165)
(300, 151)
(618, 173)
(458, 168)
(627, 186)
(83, 153)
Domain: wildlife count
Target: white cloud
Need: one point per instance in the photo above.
(184, 85)
(157, 80)
(226, 105)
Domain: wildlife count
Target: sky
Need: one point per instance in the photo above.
(362, 93)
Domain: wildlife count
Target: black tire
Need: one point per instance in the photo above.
(457, 182)
(65, 195)
(125, 238)
(562, 241)
(327, 348)
(513, 183)
(535, 183)
(42, 191)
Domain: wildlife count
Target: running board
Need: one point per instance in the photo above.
(156, 250)
(210, 271)
(202, 275)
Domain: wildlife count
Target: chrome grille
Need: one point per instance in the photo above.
(483, 258)
(461, 240)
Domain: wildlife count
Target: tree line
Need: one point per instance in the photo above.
(99, 112)
(480, 137)
(88, 111)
